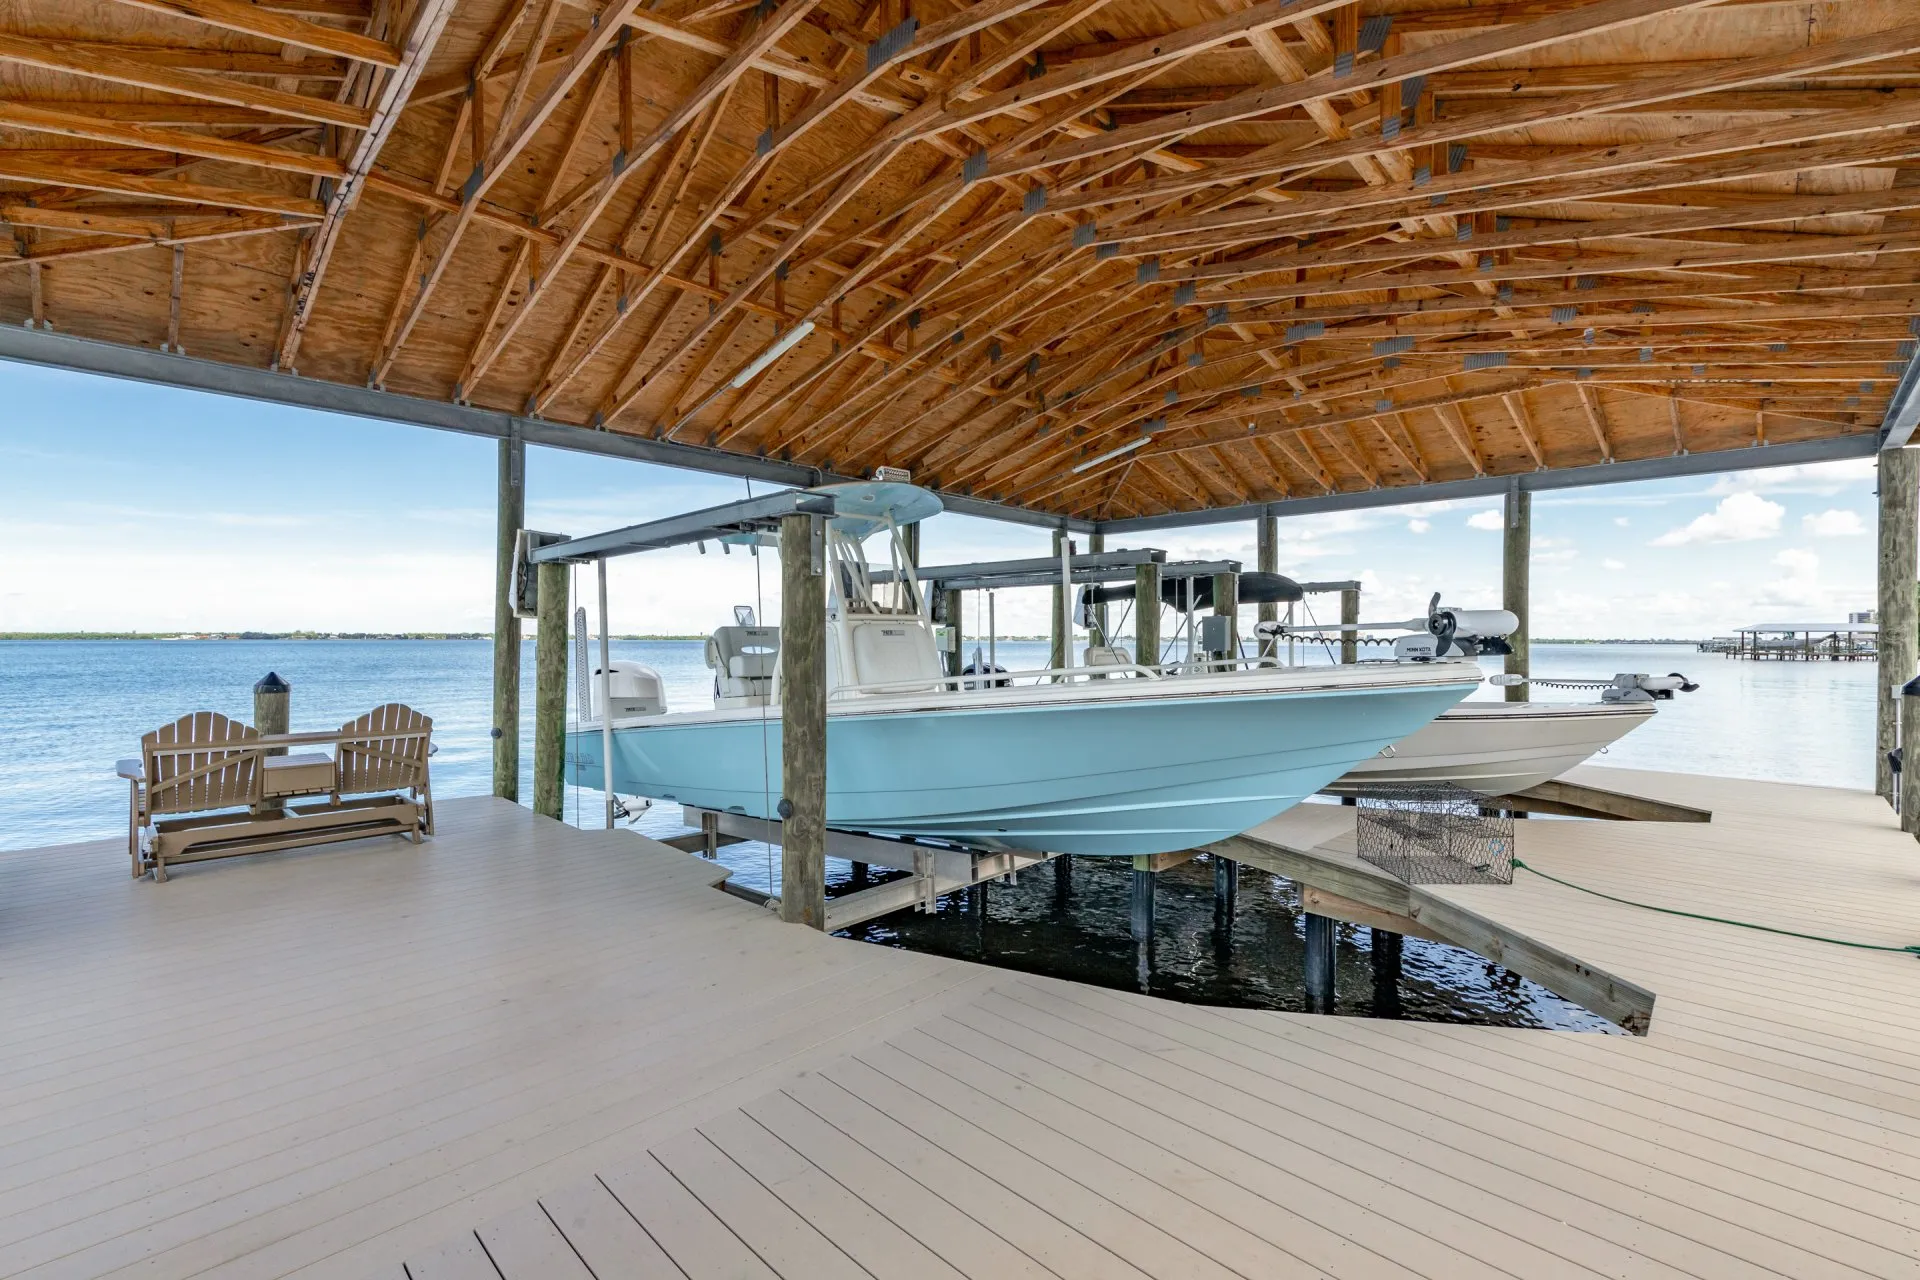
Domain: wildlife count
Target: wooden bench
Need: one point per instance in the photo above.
(207, 787)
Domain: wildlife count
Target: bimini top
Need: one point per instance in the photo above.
(861, 506)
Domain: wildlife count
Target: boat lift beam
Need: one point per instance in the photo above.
(748, 516)
(934, 869)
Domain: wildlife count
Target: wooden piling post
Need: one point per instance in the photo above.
(1226, 604)
(1319, 964)
(1226, 889)
(271, 712)
(1146, 614)
(550, 692)
(510, 514)
(1349, 614)
(803, 721)
(1899, 497)
(1061, 632)
(1062, 878)
(1516, 563)
(954, 606)
(1097, 543)
(1910, 764)
(1140, 904)
(1386, 949)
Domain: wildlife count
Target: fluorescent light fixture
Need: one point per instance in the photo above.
(1111, 454)
(783, 344)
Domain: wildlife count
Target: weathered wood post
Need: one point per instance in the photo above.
(1062, 878)
(550, 691)
(1910, 765)
(510, 514)
(803, 721)
(1226, 604)
(1061, 632)
(954, 604)
(1516, 563)
(1140, 902)
(1146, 614)
(1899, 497)
(1226, 890)
(1266, 548)
(1097, 543)
(1349, 614)
(271, 712)
(1319, 964)
(1386, 950)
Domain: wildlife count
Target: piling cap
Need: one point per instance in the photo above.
(272, 683)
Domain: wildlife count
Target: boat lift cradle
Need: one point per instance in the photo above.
(936, 868)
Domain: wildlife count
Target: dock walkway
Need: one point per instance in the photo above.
(526, 1051)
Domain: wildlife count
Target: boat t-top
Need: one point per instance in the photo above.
(1119, 758)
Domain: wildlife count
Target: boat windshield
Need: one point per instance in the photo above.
(852, 575)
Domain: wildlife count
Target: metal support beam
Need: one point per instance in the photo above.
(510, 514)
(803, 720)
(52, 350)
(1319, 964)
(1516, 572)
(550, 693)
(1797, 453)
(1899, 510)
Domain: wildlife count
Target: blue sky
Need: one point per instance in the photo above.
(129, 507)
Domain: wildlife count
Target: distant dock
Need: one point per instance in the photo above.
(1800, 642)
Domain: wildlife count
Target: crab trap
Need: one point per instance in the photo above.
(1436, 834)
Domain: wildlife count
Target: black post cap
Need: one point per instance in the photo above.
(272, 683)
(1911, 689)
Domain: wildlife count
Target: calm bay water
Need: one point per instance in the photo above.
(72, 708)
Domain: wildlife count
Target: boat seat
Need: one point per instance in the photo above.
(1108, 655)
(745, 661)
(894, 651)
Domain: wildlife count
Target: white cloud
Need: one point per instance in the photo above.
(1611, 563)
(1419, 526)
(1815, 477)
(1740, 517)
(1800, 585)
(1837, 523)
(1622, 521)
(1489, 519)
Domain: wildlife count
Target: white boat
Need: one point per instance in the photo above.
(1115, 759)
(1497, 748)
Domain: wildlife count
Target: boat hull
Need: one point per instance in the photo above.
(1497, 748)
(1106, 776)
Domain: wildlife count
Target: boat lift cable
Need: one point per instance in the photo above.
(1912, 950)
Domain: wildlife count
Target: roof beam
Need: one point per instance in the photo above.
(71, 124)
(93, 63)
(429, 20)
(256, 20)
(1596, 416)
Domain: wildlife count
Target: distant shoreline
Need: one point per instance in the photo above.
(487, 635)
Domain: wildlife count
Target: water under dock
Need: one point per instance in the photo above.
(522, 1049)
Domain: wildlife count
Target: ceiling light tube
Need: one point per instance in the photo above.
(1111, 454)
(785, 343)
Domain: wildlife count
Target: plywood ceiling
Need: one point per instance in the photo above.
(1104, 258)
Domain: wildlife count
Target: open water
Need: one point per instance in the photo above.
(70, 709)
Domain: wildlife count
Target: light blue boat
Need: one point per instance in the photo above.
(1109, 760)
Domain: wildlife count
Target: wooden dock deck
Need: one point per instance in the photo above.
(525, 1051)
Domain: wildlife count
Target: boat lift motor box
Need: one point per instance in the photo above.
(634, 689)
(1216, 635)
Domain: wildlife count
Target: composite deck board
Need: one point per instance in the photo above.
(522, 1050)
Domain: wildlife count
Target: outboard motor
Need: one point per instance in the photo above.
(634, 689)
(1629, 687)
(1469, 632)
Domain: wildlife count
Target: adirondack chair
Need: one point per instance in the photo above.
(382, 762)
(207, 787)
(199, 764)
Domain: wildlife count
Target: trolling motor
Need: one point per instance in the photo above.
(1627, 687)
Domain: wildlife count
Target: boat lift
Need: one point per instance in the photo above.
(799, 518)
